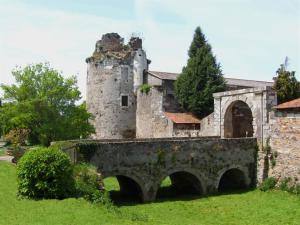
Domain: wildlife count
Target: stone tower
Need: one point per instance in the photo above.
(115, 71)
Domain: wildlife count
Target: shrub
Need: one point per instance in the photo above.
(268, 184)
(102, 197)
(17, 137)
(145, 88)
(288, 186)
(296, 189)
(87, 180)
(284, 184)
(45, 173)
(89, 185)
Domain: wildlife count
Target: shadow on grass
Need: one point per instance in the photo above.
(169, 194)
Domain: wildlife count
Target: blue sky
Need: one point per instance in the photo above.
(250, 38)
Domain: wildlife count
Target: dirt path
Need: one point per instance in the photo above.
(6, 158)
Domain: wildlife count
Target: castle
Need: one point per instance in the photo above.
(117, 71)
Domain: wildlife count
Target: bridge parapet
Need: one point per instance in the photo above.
(140, 165)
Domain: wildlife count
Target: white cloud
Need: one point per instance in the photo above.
(63, 39)
(250, 38)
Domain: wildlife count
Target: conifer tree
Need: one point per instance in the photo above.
(200, 78)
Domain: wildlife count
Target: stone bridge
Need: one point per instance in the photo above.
(140, 165)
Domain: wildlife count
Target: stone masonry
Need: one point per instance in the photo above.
(117, 70)
(114, 72)
(284, 156)
(141, 165)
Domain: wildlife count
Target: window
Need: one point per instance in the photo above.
(124, 74)
(124, 100)
(145, 77)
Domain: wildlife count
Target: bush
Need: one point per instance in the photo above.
(89, 185)
(296, 189)
(284, 184)
(288, 186)
(145, 88)
(87, 180)
(17, 137)
(268, 184)
(45, 173)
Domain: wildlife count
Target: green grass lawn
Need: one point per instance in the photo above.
(2, 152)
(253, 207)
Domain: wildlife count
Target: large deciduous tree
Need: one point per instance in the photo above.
(286, 84)
(44, 102)
(200, 78)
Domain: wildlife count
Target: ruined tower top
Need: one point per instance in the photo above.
(110, 42)
(112, 45)
(135, 43)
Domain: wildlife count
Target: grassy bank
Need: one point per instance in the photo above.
(2, 152)
(253, 207)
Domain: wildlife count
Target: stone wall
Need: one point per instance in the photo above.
(284, 157)
(105, 89)
(148, 162)
(186, 130)
(150, 120)
(207, 126)
(114, 72)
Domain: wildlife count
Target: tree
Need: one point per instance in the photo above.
(200, 78)
(286, 84)
(44, 102)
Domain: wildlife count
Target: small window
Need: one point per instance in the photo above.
(124, 100)
(124, 74)
(145, 77)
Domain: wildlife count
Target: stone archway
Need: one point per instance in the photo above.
(130, 189)
(181, 183)
(238, 120)
(232, 179)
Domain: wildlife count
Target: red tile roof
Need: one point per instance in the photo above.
(182, 117)
(289, 105)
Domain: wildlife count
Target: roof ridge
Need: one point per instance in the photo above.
(155, 71)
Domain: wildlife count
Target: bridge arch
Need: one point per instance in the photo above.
(129, 185)
(233, 178)
(238, 120)
(183, 181)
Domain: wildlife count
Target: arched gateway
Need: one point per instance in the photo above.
(238, 120)
(243, 113)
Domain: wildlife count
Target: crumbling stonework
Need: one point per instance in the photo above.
(114, 71)
(147, 162)
(284, 156)
(151, 122)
